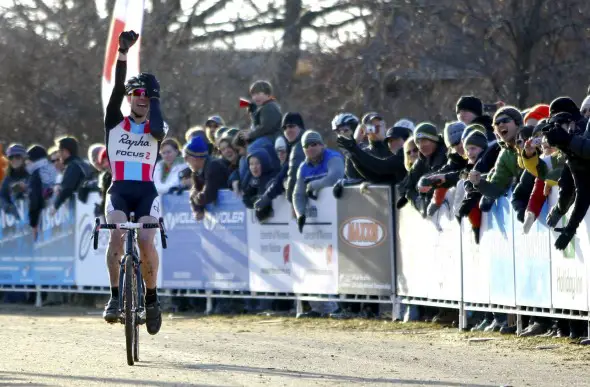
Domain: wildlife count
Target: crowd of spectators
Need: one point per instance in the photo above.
(489, 150)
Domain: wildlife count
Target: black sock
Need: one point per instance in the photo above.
(115, 291)
(151, 296)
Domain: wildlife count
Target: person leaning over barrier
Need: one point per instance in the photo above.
(322, 168)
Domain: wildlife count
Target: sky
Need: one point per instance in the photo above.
(256, 40)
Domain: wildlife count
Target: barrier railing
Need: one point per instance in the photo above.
(344, 253)
(439, 264)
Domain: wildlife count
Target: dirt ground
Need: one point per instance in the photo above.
(56, 346)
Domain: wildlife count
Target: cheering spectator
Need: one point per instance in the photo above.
(322, 168)
(507, 122)
(41, 182)
(167, 170)
(209, 175)
(75, 173)
(14, 185)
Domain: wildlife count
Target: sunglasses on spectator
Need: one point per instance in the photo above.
(504, 120)
(311, 144)
(138, 92)
(289, 126)
(411, 151)
(53, 161)
(17, 157)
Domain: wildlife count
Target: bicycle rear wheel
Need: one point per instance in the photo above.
(130, 305)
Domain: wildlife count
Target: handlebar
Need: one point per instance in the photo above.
(129, 226)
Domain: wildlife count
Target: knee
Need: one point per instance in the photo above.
(145, 241)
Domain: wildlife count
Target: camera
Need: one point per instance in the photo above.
(370, 129)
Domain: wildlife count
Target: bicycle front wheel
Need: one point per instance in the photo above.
(130, 305)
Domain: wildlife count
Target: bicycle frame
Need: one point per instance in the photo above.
(131, 251)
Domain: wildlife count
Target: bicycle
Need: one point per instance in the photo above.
(131, 299)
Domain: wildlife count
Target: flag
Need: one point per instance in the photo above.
(127, 15)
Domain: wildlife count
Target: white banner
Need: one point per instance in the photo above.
(476, 264)
(569, 289)
(271, 249)
(127, 15)
(315, 252)
(445, 268)
(91, 269)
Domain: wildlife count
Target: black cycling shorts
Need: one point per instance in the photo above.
(138, 197)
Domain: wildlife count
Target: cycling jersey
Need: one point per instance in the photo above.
(132, 149)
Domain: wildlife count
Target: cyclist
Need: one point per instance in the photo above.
(132, 146)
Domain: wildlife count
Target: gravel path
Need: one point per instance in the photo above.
(74, 347)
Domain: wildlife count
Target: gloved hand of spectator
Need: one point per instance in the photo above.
(401, 202)
(338, 189)
(152, 85)
(520, 215)
(261, 203)
(126, 40)
(554, 216)
(559, 137)
(345, 142)
(310, 192)
(564, 239)
(301, 223)
(432, 209)
(468, 186)
(486, 204)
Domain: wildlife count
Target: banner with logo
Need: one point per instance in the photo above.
(476, 264)
(270, 244)
(47, 261)
(532, 263)
(209, 254)
(315, 251)
(569, 286)
(16, 247)
(498, 244)
(365, 244)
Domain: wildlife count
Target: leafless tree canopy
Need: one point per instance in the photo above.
(404, 58)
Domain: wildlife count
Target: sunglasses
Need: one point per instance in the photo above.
(138, 92)
(411, 151)
(312, 144)
(53, 161)
(504, 120)
(15, 157)
(290, 126)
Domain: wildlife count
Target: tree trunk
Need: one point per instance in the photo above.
(290, 51)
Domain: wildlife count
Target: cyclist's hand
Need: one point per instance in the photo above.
(151, 84)
(126, 40)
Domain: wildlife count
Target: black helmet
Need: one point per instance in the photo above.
(134, 83)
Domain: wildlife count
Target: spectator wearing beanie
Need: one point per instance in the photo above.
(396, 136)
(507, 123)
(14, 185)
(433, 155)
(209, 175)
(536, 114)
(41, 182)
(76, 171)
(281, 149)
(212, 124)
(468, 108)
(523, 189)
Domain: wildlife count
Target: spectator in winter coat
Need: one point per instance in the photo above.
(433, 155)
(75, 173)
(507, 122)
(345, 125)
(41, 182)
(3, 164)
(396, 136)
(167, 170)
(293, 129)
(281, 149)
(14, 185)
(209, 175)
(322, 168)
(469, 110)
(536, 114)
(523, 189)
(374, 128)
(261, 176)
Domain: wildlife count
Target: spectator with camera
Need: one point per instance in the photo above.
(345, 126)
(14, 185)
(167, 170)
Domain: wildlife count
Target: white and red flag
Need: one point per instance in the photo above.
(127, 15)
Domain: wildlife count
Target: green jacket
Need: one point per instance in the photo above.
(505, 171)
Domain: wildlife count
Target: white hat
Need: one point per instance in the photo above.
(280, 144)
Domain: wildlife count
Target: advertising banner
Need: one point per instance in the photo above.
(315, 251)
(270, 249)
(16, 247)
(476, 264)
(532, 263)
(365, 244)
